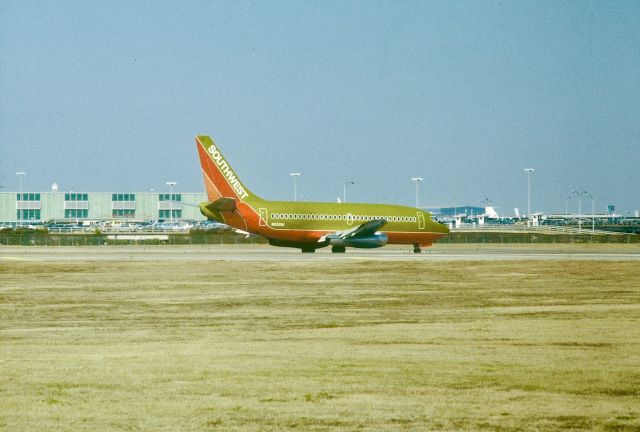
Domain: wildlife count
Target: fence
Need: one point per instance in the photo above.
(537, 237)
(125, 239)
(534, 229)
(456, 236)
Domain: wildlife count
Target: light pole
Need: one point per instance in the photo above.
(171, 184)
(455, 206)
(344, 190)
(529, 171)
(417, 180)
(20, 174)
(593, 217)
(566, 206)
(295, 176)
(579, 195)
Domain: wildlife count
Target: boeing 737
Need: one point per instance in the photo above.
(308, 225)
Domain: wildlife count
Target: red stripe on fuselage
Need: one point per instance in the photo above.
(306, 236)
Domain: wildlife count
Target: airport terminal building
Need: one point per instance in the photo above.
(85, 207)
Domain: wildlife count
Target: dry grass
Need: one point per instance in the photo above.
(536, 345)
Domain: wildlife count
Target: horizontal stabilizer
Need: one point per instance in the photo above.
(222, 205)
(213, 210)
(187, 203)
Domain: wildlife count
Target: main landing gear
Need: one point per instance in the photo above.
(338, 249)
(308, 249)
(416, 248)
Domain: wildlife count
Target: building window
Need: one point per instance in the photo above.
(123, 205)
(170, 197)
(28, 197)
(76, 213)
(76, 197)
(166, 214)
(28, 214)
(126, 213)
(76, 205)
(123, 197)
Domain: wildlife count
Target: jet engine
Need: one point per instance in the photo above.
(367, 242)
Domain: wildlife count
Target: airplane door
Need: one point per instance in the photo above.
(263, 217)
(420, 220)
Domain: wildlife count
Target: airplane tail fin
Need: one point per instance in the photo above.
(219, 178)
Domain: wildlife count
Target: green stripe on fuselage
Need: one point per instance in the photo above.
(287, 215)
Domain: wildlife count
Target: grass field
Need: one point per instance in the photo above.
(353, 345)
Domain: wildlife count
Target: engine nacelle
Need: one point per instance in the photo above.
(373, 241)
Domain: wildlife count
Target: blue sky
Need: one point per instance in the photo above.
(107, 96)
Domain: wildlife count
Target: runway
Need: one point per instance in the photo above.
(617, 252)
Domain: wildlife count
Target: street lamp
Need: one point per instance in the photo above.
(455, 206)
(579, 195)
(593, 217)
(20, 174)
(529, 171)
(171, 184)
(344, 190)
(417, 180)
(295, 176)
(566, 206)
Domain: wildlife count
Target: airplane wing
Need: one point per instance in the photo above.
(365, 230)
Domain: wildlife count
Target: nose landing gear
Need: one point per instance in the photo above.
(416, 248)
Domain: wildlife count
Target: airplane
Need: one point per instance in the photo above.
(308, 225)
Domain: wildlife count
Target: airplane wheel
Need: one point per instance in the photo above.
(338, 249)
(308, 250)
(416, 249)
